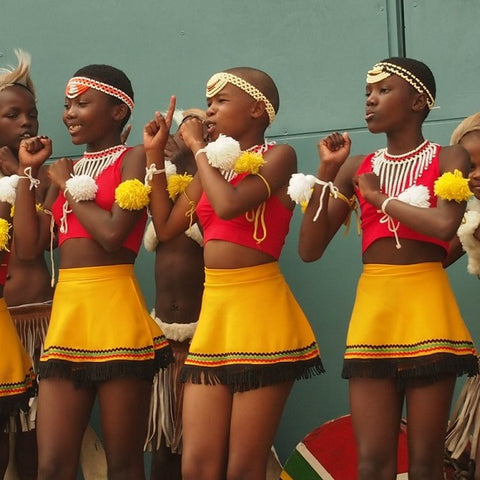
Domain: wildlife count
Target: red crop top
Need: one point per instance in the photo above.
(4, 268)
(240, 230)
(107, 182)
(372, 228)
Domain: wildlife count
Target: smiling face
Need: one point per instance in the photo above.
(92, 118)
(389, 104)
(471, 143)
(18, 116)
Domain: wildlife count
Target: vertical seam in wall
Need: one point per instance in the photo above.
(396, 27)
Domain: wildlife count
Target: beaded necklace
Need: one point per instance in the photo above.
(93, 164)
(399, 172)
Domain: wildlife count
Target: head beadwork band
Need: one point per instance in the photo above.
(383, 70)
(78, 85)
(18, 76)
(218, 81)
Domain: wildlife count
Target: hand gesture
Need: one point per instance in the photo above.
(60, 171)
(192, 132)
(34, 151)
(8, 161)
(369, 185)
(335, 148)
(156, 132)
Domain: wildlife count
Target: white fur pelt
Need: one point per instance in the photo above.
(466, 232)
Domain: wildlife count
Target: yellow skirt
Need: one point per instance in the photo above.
(406, 324)
(100, 328)
(17, 378)
(251, 331)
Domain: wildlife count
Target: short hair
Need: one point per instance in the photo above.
(111, 76)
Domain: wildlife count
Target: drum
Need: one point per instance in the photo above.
(329, 453)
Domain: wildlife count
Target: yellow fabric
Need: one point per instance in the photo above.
(16, 372)
(249, 316)
(99, 315)
(406, 311)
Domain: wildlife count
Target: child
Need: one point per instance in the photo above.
(465, 417)
(101, 341)
(27, 289)
(252, 340)
(406, 339)
(179, 281)
(18, 120)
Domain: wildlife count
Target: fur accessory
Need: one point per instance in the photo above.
(132, 195)
(5, 227)
(81, 187)
(452, 186)
(222, 153)
(18, 76)
(8, 189)
(465, 233)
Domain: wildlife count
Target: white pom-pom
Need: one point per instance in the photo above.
(300, 187)
(8, 189)
(170, 169)
(223, 152)
(150, 240)
(416, 195)
(81, 187)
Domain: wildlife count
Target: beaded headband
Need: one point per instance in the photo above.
(383, 70)
(78, 85)
(18, 76)
(218, 81)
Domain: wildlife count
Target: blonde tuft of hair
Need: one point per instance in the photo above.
(19, 75)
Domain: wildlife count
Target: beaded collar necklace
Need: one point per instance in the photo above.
(399, 172)
(94, 163)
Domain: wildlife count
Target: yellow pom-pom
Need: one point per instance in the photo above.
(452, 186)
(132, 195)
(249, 162)
(177, 184)
(4, 234)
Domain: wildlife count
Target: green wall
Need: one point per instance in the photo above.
(318, 52)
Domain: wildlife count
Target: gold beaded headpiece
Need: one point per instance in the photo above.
(78, 85)
(383, 70)
(218, 81)
(19, 75)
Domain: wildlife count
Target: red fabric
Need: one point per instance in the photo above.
(239, 230)
(4, 268)
(107, 182)
(333, 445)
(371, 226)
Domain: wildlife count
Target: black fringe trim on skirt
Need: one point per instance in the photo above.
(242, 378)
(91, 373)
(13, 404)
(428, 368)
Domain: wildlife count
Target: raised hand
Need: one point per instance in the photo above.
(60, 171)
(369, 186)
(335, 148)
(34, 151)
(157, 131)
(192, 132)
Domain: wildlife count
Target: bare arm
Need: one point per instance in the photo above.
(109, 228)
(440, 222)
(315, 235)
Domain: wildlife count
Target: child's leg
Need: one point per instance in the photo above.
(428, 408)
(26, 456)
(124, 404)
(4, 451)
(165, 464)
(63, 414)
(206, 428)
(376, 407)
(256, 415)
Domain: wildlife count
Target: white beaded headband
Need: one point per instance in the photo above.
(218, 81)
(383, 70)
(78, 85)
